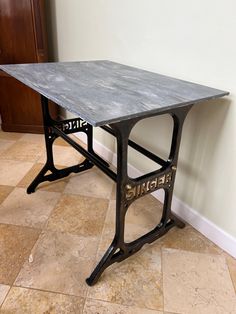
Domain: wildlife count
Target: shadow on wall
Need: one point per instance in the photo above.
(202, 137)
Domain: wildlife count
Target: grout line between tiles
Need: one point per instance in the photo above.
(101, 235)
(84, 195)
(5, 296)
(26, 259)
(11, 285)
(83, 304)
(66, 233)
(230, 275)
(162, 281)
(131, 306)
(164, 311)
(22, 226)
(50, 291)
(44, 228)
(109, 302)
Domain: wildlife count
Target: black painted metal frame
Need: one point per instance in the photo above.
(127, 189)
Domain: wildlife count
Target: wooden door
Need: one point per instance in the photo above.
(22, 40)
(20, 107)
(17, 44)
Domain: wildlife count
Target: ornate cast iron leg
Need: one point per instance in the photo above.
(117, 250)
(68, 126)
(128, 190)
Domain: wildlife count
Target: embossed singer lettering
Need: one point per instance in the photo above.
(72, 125)
(148, 186)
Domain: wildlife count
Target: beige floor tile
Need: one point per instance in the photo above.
(33, 138)
(39, 138)
(3, 292)
(101, 307)
(90, 183)
(64, 156)
(188, 239)
(79, 215)
(136, 281)
(12, 171)
(23, 151)
(26, 301)
(15, 246)
(60, 263)
(4, 145)
(113, 193)
(60, 142)
(30, 210)
(56, 186)
(197, 283)
(5, 190)
(10, 136)
(232, 268)
(142, 216)
(145, 211)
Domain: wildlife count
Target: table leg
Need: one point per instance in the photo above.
(50, 136)
(117, 249)
(128, 190)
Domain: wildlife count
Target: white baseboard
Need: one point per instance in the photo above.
(184, 211)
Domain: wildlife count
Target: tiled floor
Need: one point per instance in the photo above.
(50, 241)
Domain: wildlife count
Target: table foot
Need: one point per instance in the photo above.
(106, 261)
(56, 174)
(116, 254)
(178, 222)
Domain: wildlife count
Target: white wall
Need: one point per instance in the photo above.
(192, 40)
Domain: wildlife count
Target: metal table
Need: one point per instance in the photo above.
(114, 97)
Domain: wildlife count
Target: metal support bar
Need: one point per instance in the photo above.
(74, 125)
(90, 156)
(139, 148)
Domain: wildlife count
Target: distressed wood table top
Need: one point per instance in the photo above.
(104, 92)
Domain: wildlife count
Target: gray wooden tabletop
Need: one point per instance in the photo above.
(104, 92)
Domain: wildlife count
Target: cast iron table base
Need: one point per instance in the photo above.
(127, 190)
(114, 97)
